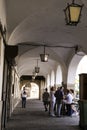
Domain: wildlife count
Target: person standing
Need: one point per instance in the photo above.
(59, 94)
(24, 96)
(52, 101)
(69, 99)
(45, 98)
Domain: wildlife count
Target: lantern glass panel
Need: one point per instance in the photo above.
(37, 69)
(44, 57)
(74, 13)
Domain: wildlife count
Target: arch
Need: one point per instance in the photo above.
(59, 76)
(72, 69)
(48, 82)
(82, 68)
(32, 90)
(52, 78)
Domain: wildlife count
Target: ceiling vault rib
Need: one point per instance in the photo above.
(26, 44)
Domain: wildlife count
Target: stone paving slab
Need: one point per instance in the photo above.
(33, 117)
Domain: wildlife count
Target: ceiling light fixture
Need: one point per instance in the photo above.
(37, 69)
(34, 75)
(73, 13)
(44, 57)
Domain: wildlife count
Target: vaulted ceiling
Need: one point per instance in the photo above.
(32, 22)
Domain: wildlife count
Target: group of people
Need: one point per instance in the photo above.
(58, 102)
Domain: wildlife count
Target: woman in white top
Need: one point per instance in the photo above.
(52, 101)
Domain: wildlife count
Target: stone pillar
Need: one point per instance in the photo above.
(0, 113)
(83, 100)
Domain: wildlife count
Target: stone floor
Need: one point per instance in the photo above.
(33, 117)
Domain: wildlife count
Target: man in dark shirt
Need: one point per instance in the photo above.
(46, 99)
(59, 97)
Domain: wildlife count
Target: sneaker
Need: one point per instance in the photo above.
(77, 113)
(52, 115)
(46, 110)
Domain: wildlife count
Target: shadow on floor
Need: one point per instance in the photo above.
(33, 117)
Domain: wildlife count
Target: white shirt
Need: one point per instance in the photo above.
(52, 97)
(69, 98)
(24, 94)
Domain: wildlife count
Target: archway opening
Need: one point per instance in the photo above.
(82, 68)
(32, 90)
(59, 76)
(76, 67)
(52, 78)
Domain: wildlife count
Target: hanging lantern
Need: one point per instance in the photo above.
(73, 13)
(44, 57)
(37, 69)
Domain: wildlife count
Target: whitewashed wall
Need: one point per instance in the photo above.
(3, 21)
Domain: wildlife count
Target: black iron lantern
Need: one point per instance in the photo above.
(37, 69)
(44, 57)
(73, 13)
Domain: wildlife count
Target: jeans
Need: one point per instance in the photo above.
(52, 104)
(69, 110)
(23, 102)
(59, 106)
